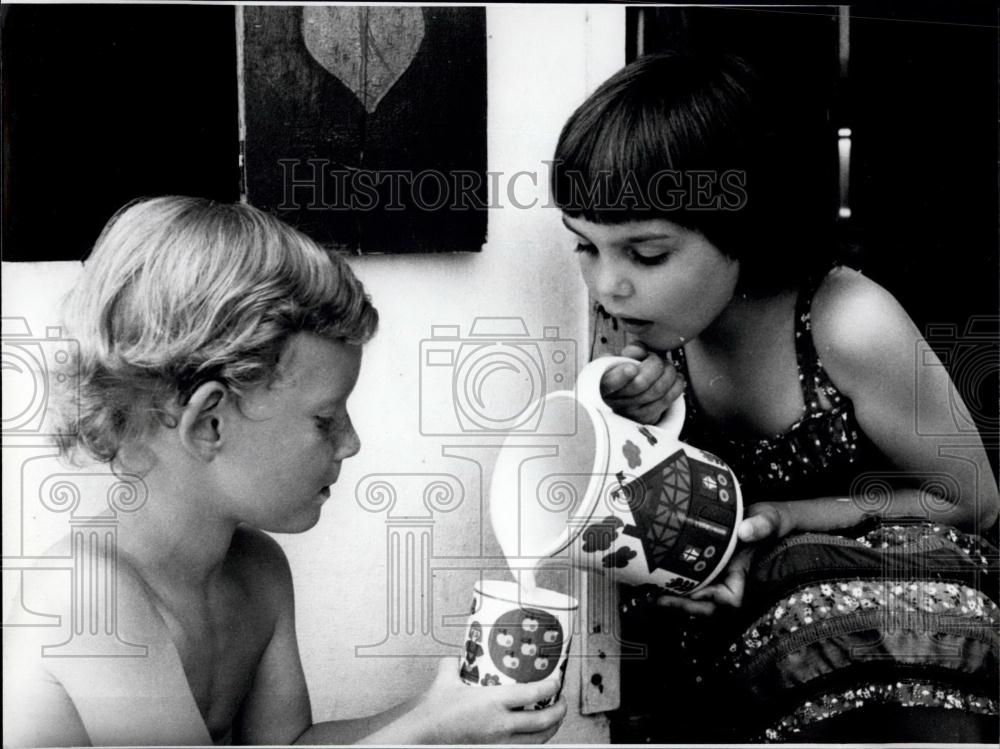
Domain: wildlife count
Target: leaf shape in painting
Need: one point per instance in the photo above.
(368, 48)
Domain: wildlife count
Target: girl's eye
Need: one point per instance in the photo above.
(585, 248)
(649, 259)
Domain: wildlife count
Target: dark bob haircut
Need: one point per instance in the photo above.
(698, 140)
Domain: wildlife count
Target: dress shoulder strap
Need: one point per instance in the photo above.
(812, 377)
(679, 360)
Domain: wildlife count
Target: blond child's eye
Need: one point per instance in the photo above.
(333, 427)
(585, 248)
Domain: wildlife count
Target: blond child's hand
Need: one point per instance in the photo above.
(642, 391)
(762, 521)
(453, 712)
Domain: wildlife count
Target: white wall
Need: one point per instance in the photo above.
(542, 61)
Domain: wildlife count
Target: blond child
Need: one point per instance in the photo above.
(218, 350)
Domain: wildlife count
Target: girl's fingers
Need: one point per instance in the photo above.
(659, 388)
(651, 414)
(730, 591)
(617, 378)
(656, 392)
(675, 391)
(762, 521)
(754, 529)
(635, 350)
(687, 605)
(648, 373)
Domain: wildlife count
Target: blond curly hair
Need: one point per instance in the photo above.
(179, 291)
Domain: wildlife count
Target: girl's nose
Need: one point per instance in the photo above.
(612, 283)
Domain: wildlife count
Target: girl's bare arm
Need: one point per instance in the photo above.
(906, 403)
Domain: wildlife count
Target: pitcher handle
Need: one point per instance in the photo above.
(588, 392)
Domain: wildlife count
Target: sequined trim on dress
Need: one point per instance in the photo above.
(815, 604)
(902, 693)
(893, 535)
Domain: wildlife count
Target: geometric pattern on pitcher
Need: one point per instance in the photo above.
(661, 520)
(688, 516)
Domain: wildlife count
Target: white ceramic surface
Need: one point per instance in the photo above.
(619, 497)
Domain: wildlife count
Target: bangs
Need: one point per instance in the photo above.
(700, 140)
(655, 141)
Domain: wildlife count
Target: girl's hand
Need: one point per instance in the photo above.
(642, 391)
(728, 592)
(453, 712)
(762, 521)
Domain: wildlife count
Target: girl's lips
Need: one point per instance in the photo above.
(325, 492)
(634, 323)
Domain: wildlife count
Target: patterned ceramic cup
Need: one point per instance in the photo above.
(516, 635)
(614, 495)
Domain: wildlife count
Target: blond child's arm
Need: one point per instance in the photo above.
(451, 712)
(277, 709)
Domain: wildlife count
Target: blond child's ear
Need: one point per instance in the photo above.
(200, 423)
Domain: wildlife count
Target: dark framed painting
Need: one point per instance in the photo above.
(365, 126)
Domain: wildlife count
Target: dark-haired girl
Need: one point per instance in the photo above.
(702, 224)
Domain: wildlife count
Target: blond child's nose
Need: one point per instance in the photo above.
(349, 445)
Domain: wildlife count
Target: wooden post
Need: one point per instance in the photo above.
(600, 673)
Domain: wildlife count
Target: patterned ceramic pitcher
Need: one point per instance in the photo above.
(615, 496)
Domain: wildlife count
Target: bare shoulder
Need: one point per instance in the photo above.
(49, 587)
(859, 327)
(69, 682)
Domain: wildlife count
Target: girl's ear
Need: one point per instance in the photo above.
(200, 424)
